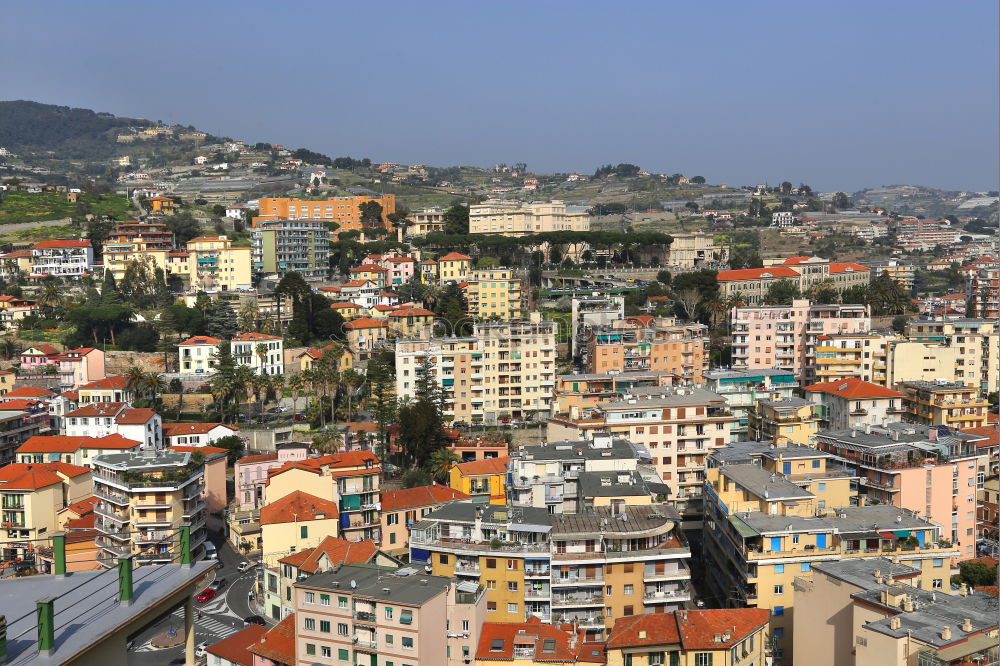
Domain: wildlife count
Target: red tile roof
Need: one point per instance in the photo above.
(338, 551)
(27, 392)
(692, 629)
(116, 383)
(454, 256)
(278, 644)
(369, 268)
(344, 305)
(411, 312)
(498, 639)
(59, 244)
(255, 337)
(174, 429)
(419, 496)
(791, 261)
(23, 404)
(84, 506)
(847, 267)
(365, 322)
(43, 348)
(33, 476)
(99, 409)
(235, 648)
(853, 389)
(200, 340)
(348, 459)
(757, 273)
(135, 416)
(71, 444)
(989, 432)
(263, 457)
(298, 507)
(486, 466)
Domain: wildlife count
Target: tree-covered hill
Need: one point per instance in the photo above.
(28, 127)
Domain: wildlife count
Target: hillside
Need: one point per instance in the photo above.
(30, 127)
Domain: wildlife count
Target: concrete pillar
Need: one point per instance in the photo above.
(189, 659)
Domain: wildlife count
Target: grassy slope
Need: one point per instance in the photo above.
(32, 207)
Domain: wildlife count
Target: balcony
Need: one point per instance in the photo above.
(105, 512)
(679, 593)
(104, 493)
(365, 643)
(532, 593)
(578, 580)
(365, 616)
(467, 568)
(537, 572)
(578, 601)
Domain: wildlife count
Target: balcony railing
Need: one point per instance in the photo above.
(587, 600)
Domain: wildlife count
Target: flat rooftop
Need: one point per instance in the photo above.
(845, 520)
(145, 460)
(408, 585)
(764, 484)
(861, 572)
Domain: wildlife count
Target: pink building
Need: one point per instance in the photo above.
(39, 356)
(401, 270)
(277, 646)
(251, 472)
(402, 508)
(784, 336)
(928, 469)
(80, 366)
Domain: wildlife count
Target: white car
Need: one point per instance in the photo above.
(243, 566)
(200, 650)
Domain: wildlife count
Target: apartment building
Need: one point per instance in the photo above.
(100, 419)
(344, 211)
(295, 521)
(62, 258)
(923, 235)
(752, 284)
(453, 267)
(969, 347)
(80, 366)
(589, 312)
(944, 403)
(133, 240)
(369, 272)
(18, 426)
(784, 419)
(31, 497)
(196, 434)
(484, 480)
(984, 292)
(767, 524)
(263, 353)
(198, 354)
(678, 427)
(410, 322)
(423, 222)
(690, 638)
(988, 509)
(695, 250)
(743, 388)
(512, 218)
(572, 477)
(874, 612)
(73, 450)
(852, 403)
(401, 509)
(144, 498)
(366, 337)
(586, 569)
(494, 294)
(628, 346)
(400, 615)
(866, 356)
(917, 468)
(109, 389)
(786, 336)
(580, 393)
(214, 264)
(250, 472)
(284, 245)
(504, 370)
(533, 643)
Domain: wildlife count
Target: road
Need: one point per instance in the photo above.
(216, 619)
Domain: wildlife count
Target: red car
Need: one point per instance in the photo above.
(205, 595)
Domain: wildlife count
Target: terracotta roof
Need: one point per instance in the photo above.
(33, 476)
(99, 409)
(369, 268)
(61, 243)
(44, 348)
(27, 392)
(411, 312)
(487, 466)
(255, 337)
(428, 262)
(174, 429)
(365, 322)
(419, 496)
(87, 522)
(356, 283)
(344, 305)
(660, 628)
(355, 459)
(497, 641)
(853, 389)
(200, 340)
(847, 267)
(235, 648)
(337, 550)
(791, 261)
(23, 404)
(757, 273)
(84, 506)
(204, 450)
(400, 260)
(692, 629)
(990, 432)
(297, 507)
(71, 444)
(263, 457)
(17, 253)
(117, 382)
(204, 238)
(278, 644)
(454, 256)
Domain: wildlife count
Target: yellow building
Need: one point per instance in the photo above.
(215, 264)
(161, 205)
(944, 403)
(310, 357)
(971, 345)
(481, 478)
(771, 512)
(724, 637)
(428, 271)
(366, 337)
(347, 310)
(511, 218)
(787, 420)
(31, 496)
(411, 323)
(7, 379)
(494, 294)
(295, 522)
(371, 273)
(453, 267)
(345, 211)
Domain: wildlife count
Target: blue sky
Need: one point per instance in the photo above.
(840, 95)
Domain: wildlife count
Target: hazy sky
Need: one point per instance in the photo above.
(837, 94)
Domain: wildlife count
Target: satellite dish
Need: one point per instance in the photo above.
(354, 584)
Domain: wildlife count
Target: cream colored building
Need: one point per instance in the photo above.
(215, 264)
(696, 250)
(504, 370)
(511, 218)
(424, 222)
(976, 345)
(494, 294)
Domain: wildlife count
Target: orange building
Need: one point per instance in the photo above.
(345, 211)
(163, 205)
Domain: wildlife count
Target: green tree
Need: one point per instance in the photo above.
(440, 464)
(421, 432)
(782, 292)
(456, 219)
(184, 227)
(899, 323)
(233, 445)
(977, 573)
(220, 320)
(698, 180)
(371, 214)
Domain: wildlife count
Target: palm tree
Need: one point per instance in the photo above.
(276, 388)
(248, 317)
(9, 349)
(327, 442)
(259, 385)
(155, 384)
(441, 463)
(296, 383)
(135, 380)
(352, 381)
(261, 350)
(715, 310)
(242, 383)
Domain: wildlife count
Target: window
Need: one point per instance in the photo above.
(655, 658)
(310, 597)
(936, 583)
(703, 659)
(779, 611)
(628, 589)
(779, 632)
(779, 589)
(511, 565)
(304, 531)
(805, 566)
(341, 602)
(491, 606)
(406, 617)
(388, 612)
(779, 568)
(326, 651)
(512, 608)
(343, 655)
(822, 487)
(341, 629)
(815, 464)
(311, 649)
(939, 563)
(465, 625)
(407, 642)
(388, 639)
(309, 624)
(628, 611)
(324, 600)
(491, 563)
(324, 626)
(491, 584)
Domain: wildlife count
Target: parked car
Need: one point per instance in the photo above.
(200, 650)
(218, 584)
(254, 619)
(299, 417)
(243, 566)
(205, 595)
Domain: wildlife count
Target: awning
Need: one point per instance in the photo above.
(860, 535)
(887, 535)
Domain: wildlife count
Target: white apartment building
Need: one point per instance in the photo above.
(264, 353)
(513, 218)
(198, 355)
(101, 419)
(62, 258)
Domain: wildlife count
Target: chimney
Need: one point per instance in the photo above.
(894, 623)
(907, 604)
(946, 633)
(964, 590)
(878, 576)
(967, 625)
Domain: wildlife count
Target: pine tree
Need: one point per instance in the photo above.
(220, 320)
